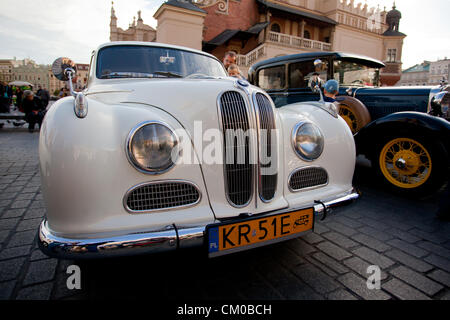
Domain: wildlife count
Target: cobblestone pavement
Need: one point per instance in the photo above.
(401, 236)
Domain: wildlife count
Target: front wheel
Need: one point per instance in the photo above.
(411, 165)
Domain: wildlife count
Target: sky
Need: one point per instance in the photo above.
(44, 30)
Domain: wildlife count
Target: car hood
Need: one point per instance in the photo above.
(187, 100)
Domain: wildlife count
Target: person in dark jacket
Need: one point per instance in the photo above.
(4, 100)
(19, 97)
(33, 110)
(44, 96)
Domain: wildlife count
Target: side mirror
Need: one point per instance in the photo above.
(61, 68)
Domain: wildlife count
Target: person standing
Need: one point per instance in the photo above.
(19, 97)
(229, 59)
(44, 96)
(33, 110)
(330, 90)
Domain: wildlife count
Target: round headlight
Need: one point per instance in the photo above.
(308, 141)
(151, 147)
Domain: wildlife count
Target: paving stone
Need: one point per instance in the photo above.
(417, 280)
(9, 269)
(360, 266)
(403, 235)
(37, 292)
(15, 252)
(441, 251)
(440, 276)
(433, 237)
(339, 227)
(410, 261)
(25, 196)
(20, 204)
(330, 262)
(341, 295)
(30, 189)
(408, 248)
(333, 250)
(40, 271)
(402, 291)
(35, 213)
(289, 286)
(8, 195)
(3, 235)
(348, 222)
(315, 278)
(15, 189)
(312, 238)
(358, 285)
(8, 224)
(37, 204)
(398, 225)
(371, 242)
(340, 240)
(319, 228)
(13, 213)
(373, 257)
(6, 289)
(31, 224)
(380, 235)
(321, 266)
(374, 223)
(438, 262)
(300, 247)
(4, 203)
(22, 238)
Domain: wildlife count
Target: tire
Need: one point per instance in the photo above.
(411, 165)
(354, 112)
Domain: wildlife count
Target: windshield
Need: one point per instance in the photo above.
(155, 62)
(355, 74)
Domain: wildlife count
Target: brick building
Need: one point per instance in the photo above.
(262, 29)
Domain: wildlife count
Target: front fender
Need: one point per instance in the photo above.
(399, 123)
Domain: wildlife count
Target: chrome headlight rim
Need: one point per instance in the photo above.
(130, 155)
(296, 128)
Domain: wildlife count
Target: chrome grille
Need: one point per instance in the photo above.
(235, 123)
(267, 182)
(308, 178)
(161, 195)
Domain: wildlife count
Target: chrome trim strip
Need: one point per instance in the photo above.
(169, 239)
(125, 205)
(308, 188)
(130, 155)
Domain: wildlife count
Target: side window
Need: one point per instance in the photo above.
(273, 78)
(308, 73)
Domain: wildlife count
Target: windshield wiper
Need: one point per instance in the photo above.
(114, 75)
(168, 74)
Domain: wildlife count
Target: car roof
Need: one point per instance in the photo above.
(152, 44)
(320, 54)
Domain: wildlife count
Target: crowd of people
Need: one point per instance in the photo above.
(26, 101)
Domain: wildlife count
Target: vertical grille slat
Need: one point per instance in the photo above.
(238, 176)
(267, 182)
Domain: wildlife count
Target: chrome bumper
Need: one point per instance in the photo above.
(152, 242)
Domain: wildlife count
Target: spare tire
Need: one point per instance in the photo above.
(354, 112)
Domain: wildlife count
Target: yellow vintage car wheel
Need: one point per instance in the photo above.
(405, 163)
(347, 114)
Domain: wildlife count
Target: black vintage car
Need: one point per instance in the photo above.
(404, 131)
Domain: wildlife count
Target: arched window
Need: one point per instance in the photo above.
(275, 28)
(306, 35)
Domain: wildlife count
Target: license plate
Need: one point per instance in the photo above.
(228, 238)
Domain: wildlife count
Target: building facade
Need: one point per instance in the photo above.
(6, 70)
(137, 31)
(33, 73)
(439, 71)
(262, 29)
(417, 75)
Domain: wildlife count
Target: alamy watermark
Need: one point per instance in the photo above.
(374, 279)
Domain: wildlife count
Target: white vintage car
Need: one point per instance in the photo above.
(164, 151)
